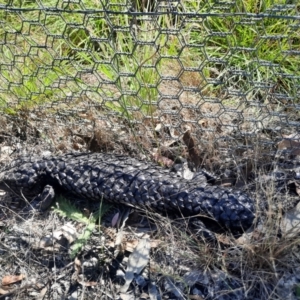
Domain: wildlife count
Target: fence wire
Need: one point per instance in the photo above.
(226, 71)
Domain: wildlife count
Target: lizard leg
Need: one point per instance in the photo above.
(202, 232)
(43, 201)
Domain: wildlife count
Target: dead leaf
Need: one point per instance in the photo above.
(127, 297)
(292, 143)
(195, 297)
(3, 292)
(87, 283)
(42, 293)
(115, 219)
(9, 279)
(137, 262)
(69, 232)
(194, 152)
(77, 265)
(162, 160)
(297, 184)
(131, 245)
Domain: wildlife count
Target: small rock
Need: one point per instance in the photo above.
(183, 171)
(290, 224)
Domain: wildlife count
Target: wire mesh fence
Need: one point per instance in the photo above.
(225, 71)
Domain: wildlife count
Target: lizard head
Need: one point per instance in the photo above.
(21, 177)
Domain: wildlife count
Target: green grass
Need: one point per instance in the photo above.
(261, 47)
(44, 53)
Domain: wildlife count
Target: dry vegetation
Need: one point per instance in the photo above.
(261, 264)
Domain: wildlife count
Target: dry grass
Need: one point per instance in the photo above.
(253, 265)
(255, 262)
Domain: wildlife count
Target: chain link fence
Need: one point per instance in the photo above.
(226, 72)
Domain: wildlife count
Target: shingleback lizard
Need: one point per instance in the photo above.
(122, 179)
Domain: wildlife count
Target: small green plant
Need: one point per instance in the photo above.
(66, 209)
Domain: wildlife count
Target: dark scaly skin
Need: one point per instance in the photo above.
(121, 179)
